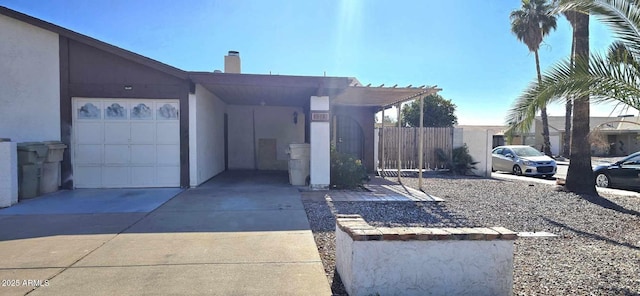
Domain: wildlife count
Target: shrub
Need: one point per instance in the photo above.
(460, 161)
(346, 171)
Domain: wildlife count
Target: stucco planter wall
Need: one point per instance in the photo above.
(423, 261)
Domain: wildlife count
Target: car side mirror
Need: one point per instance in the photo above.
(509, 155)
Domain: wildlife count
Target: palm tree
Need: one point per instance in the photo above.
(596, 78)
(568, 110)
(530, 24)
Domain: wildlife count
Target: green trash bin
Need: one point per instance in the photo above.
(31, 155)
(50, 179)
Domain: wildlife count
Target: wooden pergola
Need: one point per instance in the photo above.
(425, 92)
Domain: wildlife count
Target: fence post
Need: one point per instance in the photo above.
(420, 145)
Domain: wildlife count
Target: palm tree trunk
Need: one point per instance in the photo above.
(580, 175)
(566, 147)
(546, 147)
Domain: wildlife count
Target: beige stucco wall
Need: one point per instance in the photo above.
(249, 124)
(29, 83)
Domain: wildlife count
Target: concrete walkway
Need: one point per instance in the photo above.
(240, 234)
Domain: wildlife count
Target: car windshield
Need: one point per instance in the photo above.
(526, 151)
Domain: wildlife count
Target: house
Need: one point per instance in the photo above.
(610, 136)
(130, 121)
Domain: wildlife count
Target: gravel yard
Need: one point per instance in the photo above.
(597, 251)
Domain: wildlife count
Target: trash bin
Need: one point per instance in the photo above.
(299, 158)
(31, 155)
(8, 173)
(50, 180)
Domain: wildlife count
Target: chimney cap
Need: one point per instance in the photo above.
(234, 53)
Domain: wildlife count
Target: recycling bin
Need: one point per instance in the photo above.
(299, 163)
(8, 173)
(50, 180)
(31, 156)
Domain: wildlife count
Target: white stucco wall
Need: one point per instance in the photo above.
(206, 135)
(437, 267)
(29, 83)
(249, 124)
(479, 143)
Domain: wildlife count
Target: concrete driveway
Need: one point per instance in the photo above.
(242, 233)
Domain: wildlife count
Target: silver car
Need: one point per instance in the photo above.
(522, 160)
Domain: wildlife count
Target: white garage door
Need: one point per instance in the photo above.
(126, 143)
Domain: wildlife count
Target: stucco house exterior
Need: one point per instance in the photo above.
(130, 121)
(610, 136)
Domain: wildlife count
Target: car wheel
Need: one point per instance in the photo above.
(517, 170)
(602, 180)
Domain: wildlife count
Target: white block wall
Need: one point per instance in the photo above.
(437, 267)
(8, 174)
(29, 82)
(206, 135)
(479, 141)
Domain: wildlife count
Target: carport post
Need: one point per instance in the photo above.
(421, 144)
(382, 141)
(320, 139)
(399, 130)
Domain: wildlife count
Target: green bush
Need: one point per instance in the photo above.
(460, 162)
(346, 171)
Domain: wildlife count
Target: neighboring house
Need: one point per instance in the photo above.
(614, 136)
(130, 121)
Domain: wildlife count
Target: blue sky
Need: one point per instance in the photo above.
(463, 46)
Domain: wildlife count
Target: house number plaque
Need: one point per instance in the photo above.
(319, 116)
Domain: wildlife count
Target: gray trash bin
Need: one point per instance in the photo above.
(299, 158)
(8, 173)
(50, 180)
(31, 155)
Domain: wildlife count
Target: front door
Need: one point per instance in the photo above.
(349, 136)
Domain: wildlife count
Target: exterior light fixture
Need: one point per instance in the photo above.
(295, 117)
(128, 87)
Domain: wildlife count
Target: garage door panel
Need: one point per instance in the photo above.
(169, 176)
(116, 110)
(117, 132)
(143, 154)
(168, 154)
(88, 110)
(116, 154)
(115, 176)
(141, 110)
(88, 154)
(143, 176)
(88, 176)
(168, 133)
(143, 132)
(89, 133)
(167, 111)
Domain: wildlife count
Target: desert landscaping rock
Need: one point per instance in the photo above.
(596, 251)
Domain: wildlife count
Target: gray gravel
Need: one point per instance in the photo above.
(597, 251)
